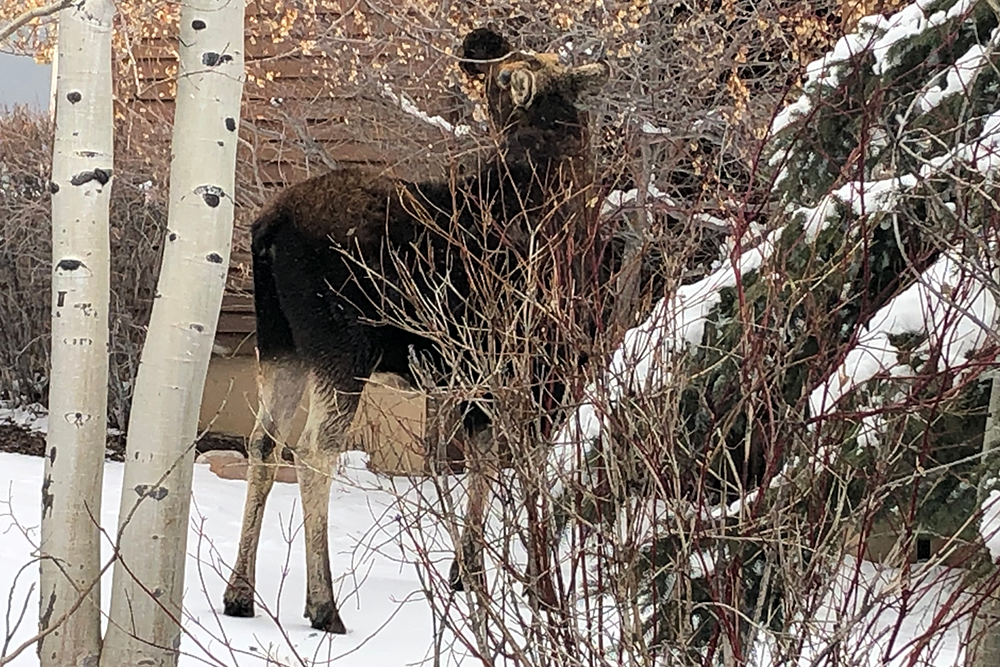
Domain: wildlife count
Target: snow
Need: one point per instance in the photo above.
(945, 303)
(616, 200)
(824, 71)
(649, 128)
(642, 360)
(981, 154)
(373, 531)
(907, 23)
(878, 35)
(867, 197)
(959, 77)
(874, 615)
(35, 417)
(408, 107)
(381, 599)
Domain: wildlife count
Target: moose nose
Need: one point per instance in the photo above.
(503, 78)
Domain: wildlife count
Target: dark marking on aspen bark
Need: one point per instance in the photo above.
(102, 176)
(172, 237)
(214, 258)
(53, 187)
(221, 143)
(69, 265)
(198, 24)
(47, 497)
(212, 59)
(197, 327)
(212, 194)
(231, 124)
(148, 490)
(60, 300)
(74, 96)
(87, 153)
(46, 616)
(52, 455)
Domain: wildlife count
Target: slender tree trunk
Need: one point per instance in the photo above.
(631, 275)
(149, 577)
(78, 394)
(983, 647)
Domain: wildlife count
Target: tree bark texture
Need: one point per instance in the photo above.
(78, 390)
(149, 576)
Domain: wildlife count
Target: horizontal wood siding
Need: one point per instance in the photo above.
(296, 106)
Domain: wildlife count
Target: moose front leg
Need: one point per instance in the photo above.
(468, 563)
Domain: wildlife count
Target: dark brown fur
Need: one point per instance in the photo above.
(330, 257)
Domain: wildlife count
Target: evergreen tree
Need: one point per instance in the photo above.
(826, 377)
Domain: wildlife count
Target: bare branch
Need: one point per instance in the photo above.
(31, 15)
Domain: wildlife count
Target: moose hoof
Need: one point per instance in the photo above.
(455, 577)
(474, 570)
(327, 618)
(237, 604)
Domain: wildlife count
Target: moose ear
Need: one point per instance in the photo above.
(589, 79)
(482, 44)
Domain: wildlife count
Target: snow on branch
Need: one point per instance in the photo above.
(410, 108)
(959, 77)
(640, 361)
(879, 35)
(948, 305)
(616, 200)
(951, 308)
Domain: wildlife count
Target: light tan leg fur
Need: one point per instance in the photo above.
(280, 387)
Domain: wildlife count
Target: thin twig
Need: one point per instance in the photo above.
(31, 15)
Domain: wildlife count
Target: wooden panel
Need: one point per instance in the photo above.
(155, 49)
(288, 151)
(281, 68)
(236, 323)
(292, 67)
(306, 89)
(256, 48)
(281, 174)
(151, 92)
(237, 303)
(321, 8)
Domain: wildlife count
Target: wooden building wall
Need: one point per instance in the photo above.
(314, 72)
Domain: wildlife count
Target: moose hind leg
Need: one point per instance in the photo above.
(330, 413)
(482, 465)
(280, 388)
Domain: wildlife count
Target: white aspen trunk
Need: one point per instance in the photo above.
(147, 592)
(78, 391)
(53, 84)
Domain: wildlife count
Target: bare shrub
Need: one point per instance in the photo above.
(138, 215)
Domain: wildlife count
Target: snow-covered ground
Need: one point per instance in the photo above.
(386, 534)
(388, 616)
(381, 599)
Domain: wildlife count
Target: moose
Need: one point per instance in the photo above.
(331, 256)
